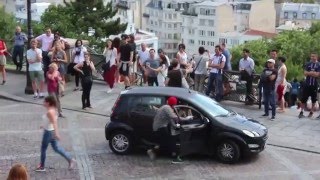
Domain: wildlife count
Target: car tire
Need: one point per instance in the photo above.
(121, 142)
(228, 151)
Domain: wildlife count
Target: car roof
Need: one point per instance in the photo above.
(164, 91)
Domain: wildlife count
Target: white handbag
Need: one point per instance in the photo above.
(184, 82)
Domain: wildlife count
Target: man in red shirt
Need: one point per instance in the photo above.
(3, 51)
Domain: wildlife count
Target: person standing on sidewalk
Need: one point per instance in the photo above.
(246, 68)
(111, 54)
(34, 58)
(281, 83)
(149, 65)
(200, 69)
(18, 48)
(3, 60)
(217, 63)
(310, 89)
(51, 134)
(143, 55)
(59, 57)
(53, 78)
(126, 60)
(78, 57)
(46, 40)
(228, 56)
(162, 70)
(86, 68)
(268, 80)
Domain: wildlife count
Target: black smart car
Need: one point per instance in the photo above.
(210, 128)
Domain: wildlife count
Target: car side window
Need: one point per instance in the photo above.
(189, 115)
(146, 104)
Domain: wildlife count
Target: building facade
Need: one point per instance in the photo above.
(210, 23)
(163, 17)
(302, 15)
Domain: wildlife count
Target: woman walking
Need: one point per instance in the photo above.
(78, 57)
(59, 57)
(111, 55)
(116, 44)
(51, 134)
(85, 69)
(53, 78)
(3, 62)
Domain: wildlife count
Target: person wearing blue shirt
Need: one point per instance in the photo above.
(228, 56)
(294, 91)
(19, 39)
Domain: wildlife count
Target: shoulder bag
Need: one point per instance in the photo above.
(192, 75)
(184, 83)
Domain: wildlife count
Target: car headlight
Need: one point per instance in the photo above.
(248, 133)
(251, 133)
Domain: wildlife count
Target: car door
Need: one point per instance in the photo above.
(142, 112)
(194, 131)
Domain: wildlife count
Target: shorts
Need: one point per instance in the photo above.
(3, 60)
(36, 75)
(124, 69)
(309, 91)
(62, 69)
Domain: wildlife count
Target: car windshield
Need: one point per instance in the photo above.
(211, 106)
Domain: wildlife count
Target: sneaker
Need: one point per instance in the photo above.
(318, 117)
(109, 90)
(151, 154)
(40, 169)
(61, 116)
(41, 96)
(72, 162)
(310, 115)
(3, 82)
(265, 115)
(272, 118)
(76, 89)
(35, 96)
(177, 160)
(301, 115)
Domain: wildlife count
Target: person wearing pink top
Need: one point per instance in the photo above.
(46, 41)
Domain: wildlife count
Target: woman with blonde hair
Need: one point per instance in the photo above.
(59, 57)
(18, 172)
(53, 78)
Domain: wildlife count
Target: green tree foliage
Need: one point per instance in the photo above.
(76, 17)
(296, 46)
(8, 24)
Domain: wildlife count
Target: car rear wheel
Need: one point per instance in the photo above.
(228, 151)
(121, 142)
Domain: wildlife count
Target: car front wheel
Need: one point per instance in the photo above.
(228, 151)
(121, 142)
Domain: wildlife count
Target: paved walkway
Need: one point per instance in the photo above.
(286, 131)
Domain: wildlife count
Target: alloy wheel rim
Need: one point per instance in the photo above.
(120, 142)
(227, 151)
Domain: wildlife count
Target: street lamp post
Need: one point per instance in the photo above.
(28, 89)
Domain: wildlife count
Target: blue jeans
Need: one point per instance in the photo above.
(215, 78)
(269, 99)
(48, 137)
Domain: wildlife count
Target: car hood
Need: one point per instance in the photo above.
(240, 122)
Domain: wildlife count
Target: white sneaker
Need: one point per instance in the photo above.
(35, 96)
(109, 90)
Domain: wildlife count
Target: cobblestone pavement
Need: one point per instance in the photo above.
(83, 136)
